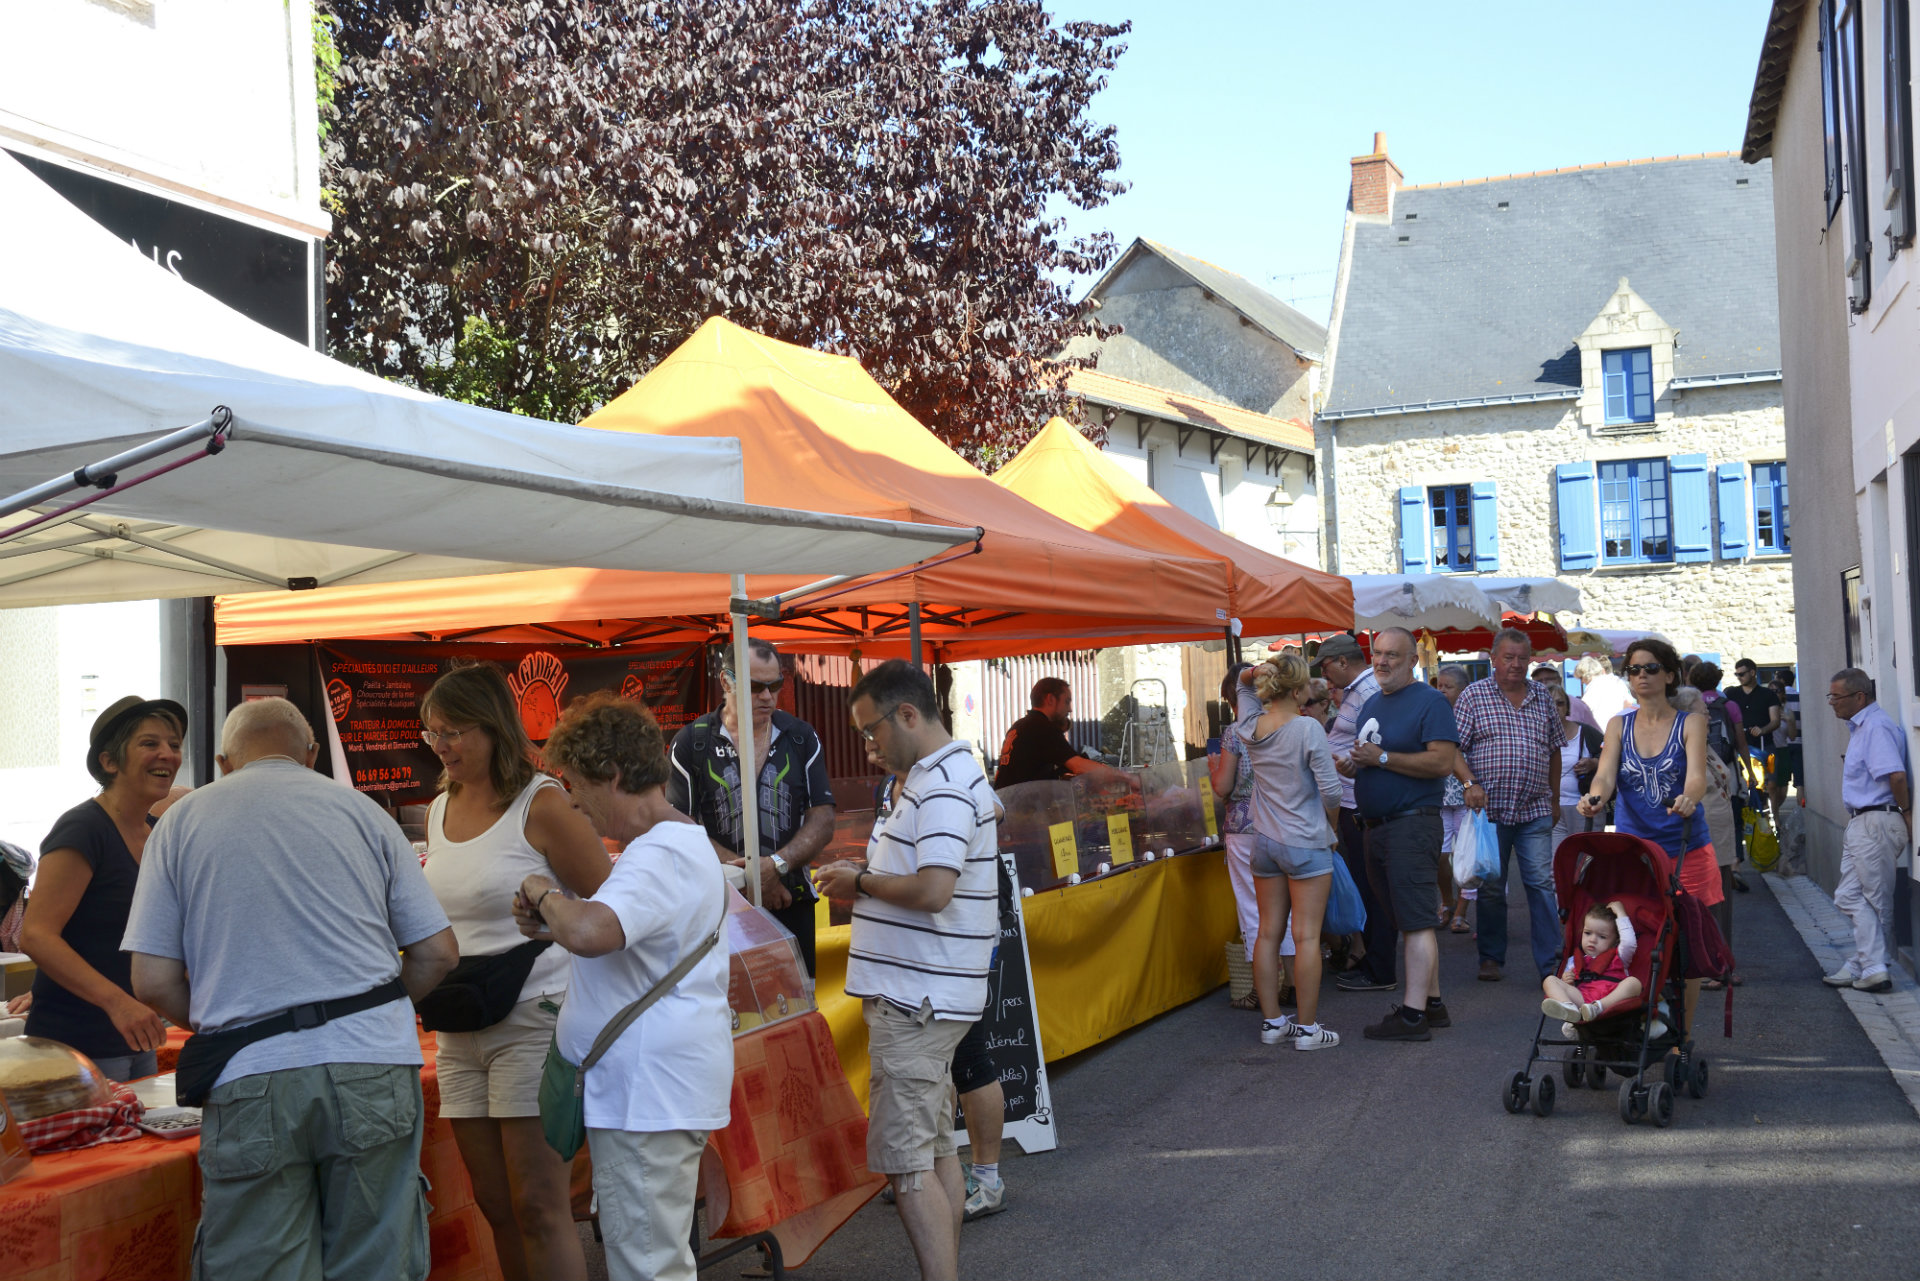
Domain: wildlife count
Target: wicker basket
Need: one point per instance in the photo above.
(1239, 970)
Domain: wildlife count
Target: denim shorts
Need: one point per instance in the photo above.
(1296, 862)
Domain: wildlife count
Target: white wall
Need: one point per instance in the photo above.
(215, 97)
(99, 653)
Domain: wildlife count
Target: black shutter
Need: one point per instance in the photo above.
(1851, 63)
(1830, 107)
(1899, 125)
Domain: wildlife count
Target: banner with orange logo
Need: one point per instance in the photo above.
(374, 690)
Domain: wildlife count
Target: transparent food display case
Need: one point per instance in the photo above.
(1086, 827)
(1038, 831)
(767, 980)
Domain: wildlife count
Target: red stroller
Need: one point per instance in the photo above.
(1599, 867)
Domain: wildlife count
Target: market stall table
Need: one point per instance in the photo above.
(793, 1161)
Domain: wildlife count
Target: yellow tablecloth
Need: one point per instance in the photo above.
(1107, 955)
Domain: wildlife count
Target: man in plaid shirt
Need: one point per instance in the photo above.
(1510, 740)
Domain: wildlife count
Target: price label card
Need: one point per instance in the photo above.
(1120, 836)
(1066, 855)
(1206, 808)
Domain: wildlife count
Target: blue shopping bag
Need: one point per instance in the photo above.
(1346, 914)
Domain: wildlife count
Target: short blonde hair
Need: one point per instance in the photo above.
(1280, 676)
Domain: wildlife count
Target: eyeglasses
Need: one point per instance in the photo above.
(867, 730)
(433, 738)
(1644, 669)
(762, 687)
(1841, 698)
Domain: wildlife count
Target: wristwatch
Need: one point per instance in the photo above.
(1383, 757)
(779, 864)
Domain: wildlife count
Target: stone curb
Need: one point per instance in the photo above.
(1891, 1020)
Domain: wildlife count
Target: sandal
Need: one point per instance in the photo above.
(1460, 925)
(1247, 1002)
(1713, 985)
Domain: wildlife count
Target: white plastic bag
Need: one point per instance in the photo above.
(1476, 850)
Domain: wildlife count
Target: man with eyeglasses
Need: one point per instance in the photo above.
(795, 794)
(1874, 787)
(926, 919)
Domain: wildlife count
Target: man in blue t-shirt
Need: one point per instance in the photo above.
(1405, 748)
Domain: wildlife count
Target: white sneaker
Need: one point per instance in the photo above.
(1845, 976)
(1877, 981)
(1273, 1033)
(1319, 1039)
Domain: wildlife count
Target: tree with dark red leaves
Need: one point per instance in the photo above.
(539, 200)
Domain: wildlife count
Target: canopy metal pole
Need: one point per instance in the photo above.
(101, 475)
(743, 739)
(913, 632)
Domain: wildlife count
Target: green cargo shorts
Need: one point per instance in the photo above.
(311, 1173)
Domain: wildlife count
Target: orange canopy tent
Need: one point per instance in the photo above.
(816, 432)
(1062, 471)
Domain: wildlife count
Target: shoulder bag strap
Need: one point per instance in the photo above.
(624, 1019)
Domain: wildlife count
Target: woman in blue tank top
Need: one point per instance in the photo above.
(1654, 759)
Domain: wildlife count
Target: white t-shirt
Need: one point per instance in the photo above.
(1606, 697)
(475, 881)
(673, 1068)
(1572, 752)
(945, 818)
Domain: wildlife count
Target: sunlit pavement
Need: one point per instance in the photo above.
(1188, 1149)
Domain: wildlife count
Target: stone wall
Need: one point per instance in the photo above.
(1725, 607)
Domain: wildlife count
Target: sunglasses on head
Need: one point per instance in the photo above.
(1644, 669)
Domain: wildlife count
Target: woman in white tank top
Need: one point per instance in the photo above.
(496, 821)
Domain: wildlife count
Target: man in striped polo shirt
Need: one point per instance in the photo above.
(925, 921)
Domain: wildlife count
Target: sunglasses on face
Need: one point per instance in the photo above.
(1644, 669)
(763, 687)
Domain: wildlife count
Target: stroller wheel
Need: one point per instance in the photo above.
(1674, 1071)
(1542, 1095)
(1697, 1080)
(1597, 1072)
(1629, 1105)
(1573, 1070)
(1660, 1104)
(1513, 1094)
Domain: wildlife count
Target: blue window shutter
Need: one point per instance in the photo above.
(1691, 509)
(1486, 528)
(1579, 509)
(1416, 548)
(1731, 482)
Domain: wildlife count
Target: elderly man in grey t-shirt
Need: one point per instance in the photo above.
(273, 891)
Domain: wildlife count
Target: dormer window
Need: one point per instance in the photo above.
(1627, 384)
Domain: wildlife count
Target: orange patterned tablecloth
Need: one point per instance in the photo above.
(793, 1160)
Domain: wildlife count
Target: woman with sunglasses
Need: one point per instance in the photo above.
(1655, 760)
(497, 821)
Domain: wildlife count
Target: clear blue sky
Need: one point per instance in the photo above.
(1237, 119)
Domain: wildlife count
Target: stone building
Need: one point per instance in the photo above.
(1206, 395)
(1572, 373)
(1832, 118)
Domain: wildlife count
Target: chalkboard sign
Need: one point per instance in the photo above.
(1013, 1030)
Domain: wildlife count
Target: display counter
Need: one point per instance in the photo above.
(1074, 830)
(1107, 954)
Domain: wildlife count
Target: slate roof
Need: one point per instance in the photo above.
(1178, 407)
(1457, 299)
(1239, 293)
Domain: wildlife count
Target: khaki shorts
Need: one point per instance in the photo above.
(495, 1072)
(911, 1100)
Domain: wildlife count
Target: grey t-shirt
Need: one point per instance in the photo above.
(1293, 775)
(277, 887)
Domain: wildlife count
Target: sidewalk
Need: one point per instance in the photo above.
(1891, 1020)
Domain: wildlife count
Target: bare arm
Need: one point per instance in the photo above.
(562, 833)
(542, 910)
(1078, 765)
(1223, 771)
(928, 890)
(1436, 761)
(425, 962)
(816, 830)
(62, 880)
(160, 984)
(1553, 781)
(1694, 738)
(1898, 782)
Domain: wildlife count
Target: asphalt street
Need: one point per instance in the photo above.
(1188, 1149)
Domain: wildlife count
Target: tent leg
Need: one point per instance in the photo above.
(749, 776)
(913, 632)
(1233, 648)
(187, 677)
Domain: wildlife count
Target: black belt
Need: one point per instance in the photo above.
(1875, 809)
(1398, 814)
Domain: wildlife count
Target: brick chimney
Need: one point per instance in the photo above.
(1375, 179)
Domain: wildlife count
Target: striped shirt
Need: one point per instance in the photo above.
(944, 818)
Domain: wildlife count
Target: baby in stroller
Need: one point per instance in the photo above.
(1595, 980)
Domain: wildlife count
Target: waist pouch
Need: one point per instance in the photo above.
(481, 990)
(206, 1054)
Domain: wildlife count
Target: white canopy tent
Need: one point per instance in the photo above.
(154, 443)
(326, 474)
(1436, 602)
